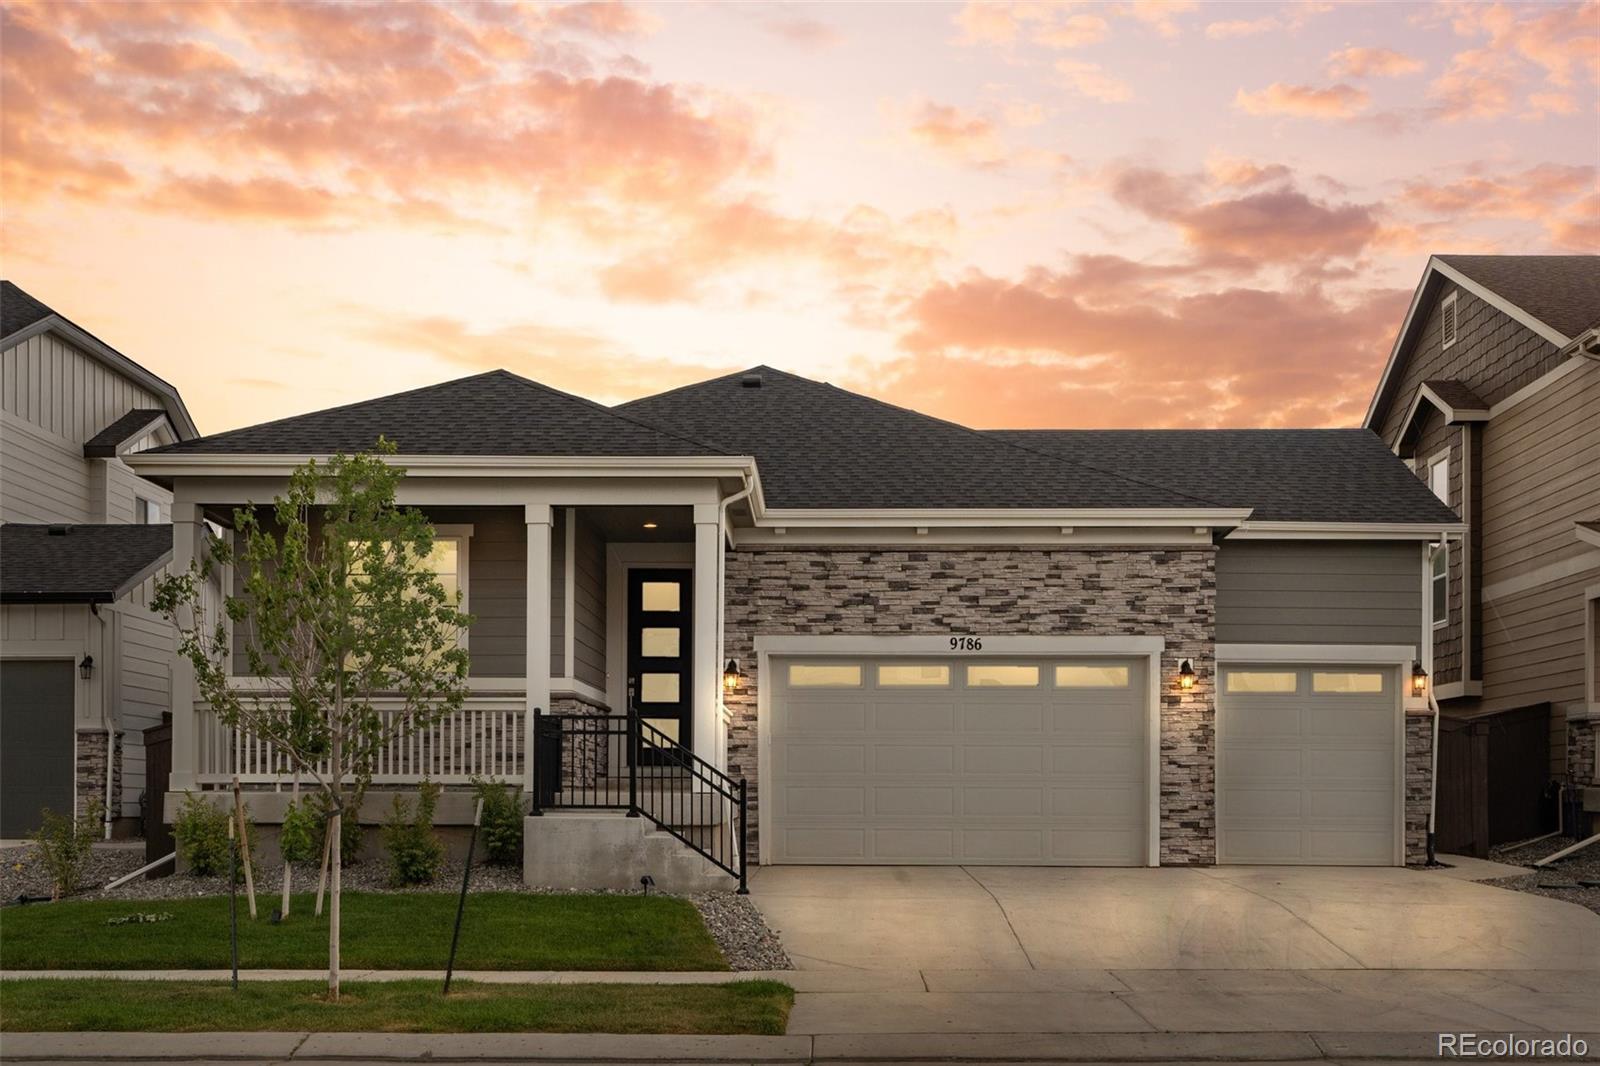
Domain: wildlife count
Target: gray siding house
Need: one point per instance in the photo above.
(84, 666)
(914, 642)
(1492, 396)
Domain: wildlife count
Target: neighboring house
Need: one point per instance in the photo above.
(86, 667)
(1492, 395)
(916, 642)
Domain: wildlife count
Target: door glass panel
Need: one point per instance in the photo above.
(658, 643)
(824, 675)
(908, 676)
(658, 688)
(659, 595)
(1002, 676)
(669, 726)
(1346, 681)
(1091, 677)
(1262, 681)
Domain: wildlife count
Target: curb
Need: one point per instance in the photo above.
(885, 1048)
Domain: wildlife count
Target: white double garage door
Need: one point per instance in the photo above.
(1052, 762)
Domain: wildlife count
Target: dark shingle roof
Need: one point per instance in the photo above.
(1562, 291)
(85, 564)
(104, 444)
(497, 413)
(818, 446)
(18, 310)
(1457, 395)
(1286, 475)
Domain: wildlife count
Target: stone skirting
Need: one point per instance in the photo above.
(90, 771)
(1580, 752)
(1419, 761)
(1166, 592)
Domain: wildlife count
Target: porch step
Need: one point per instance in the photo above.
(608, 850)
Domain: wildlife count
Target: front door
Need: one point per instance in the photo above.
(660, 610)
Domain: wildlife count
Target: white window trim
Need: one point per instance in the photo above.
(1439, 622)
(1438, 459)
(784, 646)
(461, 534)
(1448, 307)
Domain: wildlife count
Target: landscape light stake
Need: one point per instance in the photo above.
(461, 905)
(233, 904)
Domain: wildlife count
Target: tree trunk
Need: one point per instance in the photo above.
(336, 827)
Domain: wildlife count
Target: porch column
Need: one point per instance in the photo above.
(707, 607)
(187, 537)
(537, 663)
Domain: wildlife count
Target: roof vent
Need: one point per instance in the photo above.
(58, 531)
(751, 380)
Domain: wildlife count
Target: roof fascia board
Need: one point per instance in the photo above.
(117, 361)
(1493, 299)
(915, 537)
(1536, 386)
(142, 575)
(1346, 530)
(1452, 414)
(947, 517)
(179, 464)
(1584, 533)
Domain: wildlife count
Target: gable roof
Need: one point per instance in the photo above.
(495, 413)
(136, 423)
(822, 447)
(23, 316)
(1562, 291)
(1285, 475)
(1555, 296)
(78, 563)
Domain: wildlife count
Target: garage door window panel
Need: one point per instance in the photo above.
(899, 675)
(1263, 681)
(824, 675)
(1349, 682)
(1002, 676)
(1091, 677)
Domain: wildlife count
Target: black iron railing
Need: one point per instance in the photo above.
(622, 762)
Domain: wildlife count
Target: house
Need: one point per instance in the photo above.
(85, 665)
(1492, 395)
(911, 641)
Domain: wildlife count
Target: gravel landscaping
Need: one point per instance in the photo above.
(1560, 880)
(733, 921)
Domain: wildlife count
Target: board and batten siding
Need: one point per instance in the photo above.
(66, 630)
(65, 392)
(43, 478)
(1541, 475)
(1319, 592)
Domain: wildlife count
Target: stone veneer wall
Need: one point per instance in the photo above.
(1081, 592)
(90, 770)
(1419, 760)
(1580, 751)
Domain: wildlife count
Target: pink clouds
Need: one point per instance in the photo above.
(1304, 101)
(1372, 63)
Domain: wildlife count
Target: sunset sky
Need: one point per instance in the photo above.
(1075, 214)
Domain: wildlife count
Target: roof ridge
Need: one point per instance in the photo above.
(612, 411)
(696, 384)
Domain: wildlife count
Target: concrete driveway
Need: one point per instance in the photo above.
(1212, 918)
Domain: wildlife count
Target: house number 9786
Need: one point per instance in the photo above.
(966, 643)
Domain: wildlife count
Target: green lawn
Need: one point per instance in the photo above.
(106, 1005)
(502, 931)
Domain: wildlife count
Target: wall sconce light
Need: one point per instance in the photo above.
(1419, 679)
(86, 668)
(732, 676)
(1186, 676)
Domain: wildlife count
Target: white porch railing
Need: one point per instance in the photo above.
(485, 738)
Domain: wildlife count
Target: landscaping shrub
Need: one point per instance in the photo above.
(64, 845)
(415, 852)
(300, 838)
(501, 831)
(201, 830)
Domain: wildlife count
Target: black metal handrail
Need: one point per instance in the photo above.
(579, 762)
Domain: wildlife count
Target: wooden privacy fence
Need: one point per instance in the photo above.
(1493, 773)
(485, 738)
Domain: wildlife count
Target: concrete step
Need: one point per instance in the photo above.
(609, 850)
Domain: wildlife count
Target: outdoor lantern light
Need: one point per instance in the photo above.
(1186, 676)
(1419, 679)
(732, 675)
(86, 668)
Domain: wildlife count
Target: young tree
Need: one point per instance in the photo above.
(339, 607)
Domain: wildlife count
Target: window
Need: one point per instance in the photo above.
(146, 512)
(1347, 681)
(658, 688)
(1441, 585)
(1002, 676)
(659, 595)
(658, 642)
(907, 676)
(1439, 478)
(1263, 681)
(824, 675)
(1447, 321)
(448, 561)
(1091, 677)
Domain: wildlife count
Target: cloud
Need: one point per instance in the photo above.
(1334, 102)
(1371, 63)
(1244, 173)
(804, 32)
(1159, 15)
(1479, 84)
(1528, 194)
(1220, 31)
(1036, 352)
(1578, 228)
(1091, 81)
(1062, 24)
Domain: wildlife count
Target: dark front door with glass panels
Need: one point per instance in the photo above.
(660, 605)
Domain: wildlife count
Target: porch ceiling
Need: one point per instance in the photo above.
(673, 523)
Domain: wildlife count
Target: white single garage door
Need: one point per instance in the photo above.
(1308, 765)
(926, 761)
